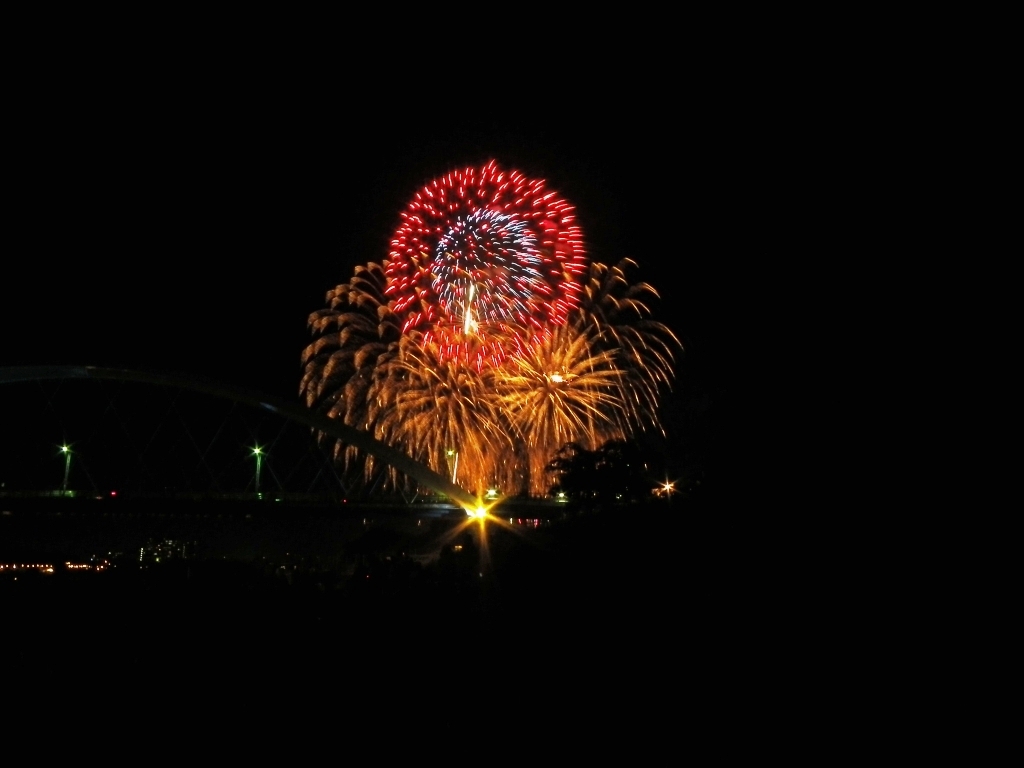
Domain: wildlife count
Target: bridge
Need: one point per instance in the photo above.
(81, 431)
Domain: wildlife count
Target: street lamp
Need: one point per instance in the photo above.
(258, 453)
(67, 468)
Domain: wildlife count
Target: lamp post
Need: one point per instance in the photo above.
(67, 468)
(258, 453)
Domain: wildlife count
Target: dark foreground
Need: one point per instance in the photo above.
(633, 595)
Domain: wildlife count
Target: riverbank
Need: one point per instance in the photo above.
(651, 571)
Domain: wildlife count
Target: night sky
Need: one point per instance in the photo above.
(194, 230)
(183, 205)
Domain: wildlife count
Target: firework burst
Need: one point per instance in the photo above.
(562, 391)
(485, 263)
(445, 415)
(486, 341)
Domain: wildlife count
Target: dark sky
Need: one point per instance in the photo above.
(193, 230)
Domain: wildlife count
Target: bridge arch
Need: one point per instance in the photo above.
(362, 440)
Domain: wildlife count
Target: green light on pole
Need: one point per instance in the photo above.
(67, 468)
(258, 453)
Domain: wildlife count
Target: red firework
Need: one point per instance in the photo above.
(485, 262)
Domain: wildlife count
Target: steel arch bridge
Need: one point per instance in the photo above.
(12, 412)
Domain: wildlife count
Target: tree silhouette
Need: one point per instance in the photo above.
(614, 472)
